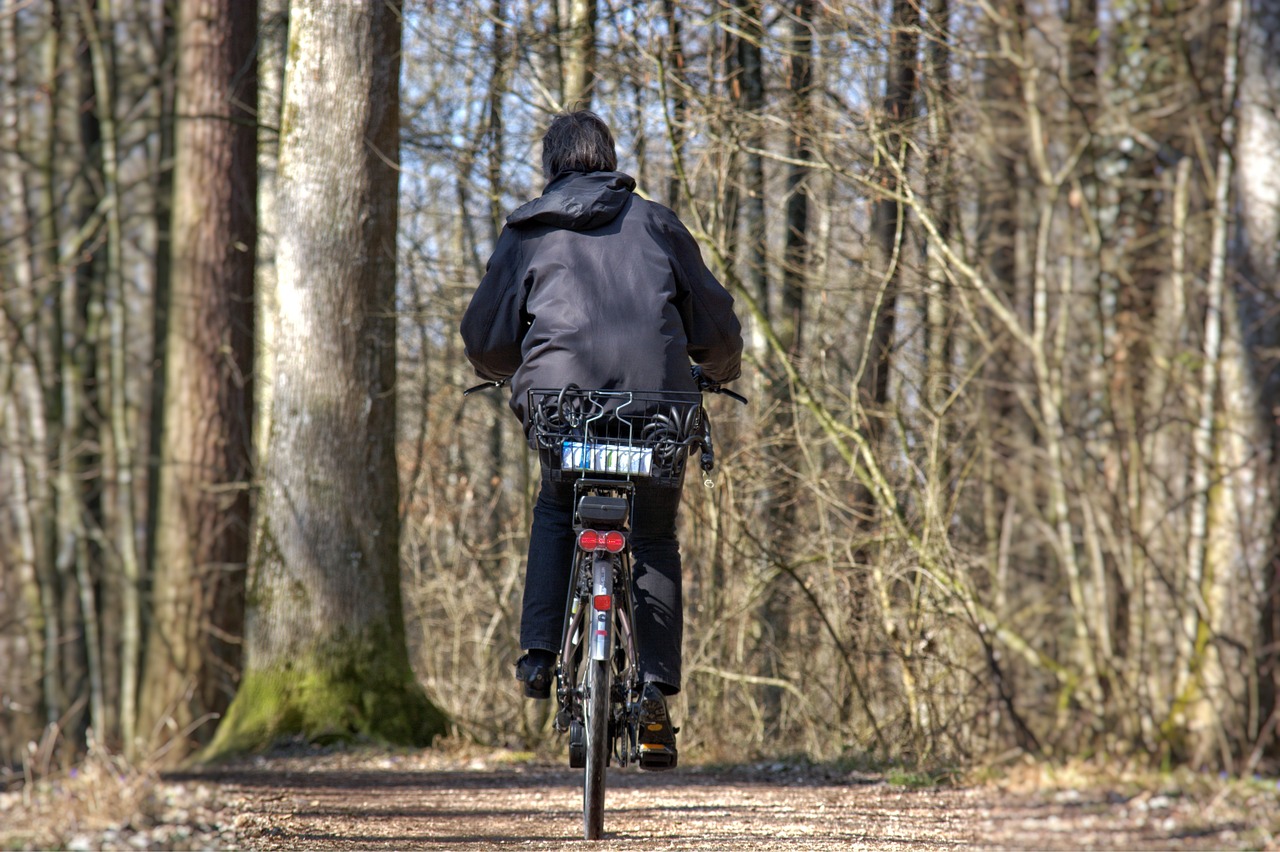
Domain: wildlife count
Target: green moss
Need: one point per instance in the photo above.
(344, 690)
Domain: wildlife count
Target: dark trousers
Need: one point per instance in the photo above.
(655, 555)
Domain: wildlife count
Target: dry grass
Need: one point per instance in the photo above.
(106, 802)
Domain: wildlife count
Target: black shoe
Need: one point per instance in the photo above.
(536, 677)
(657, 739)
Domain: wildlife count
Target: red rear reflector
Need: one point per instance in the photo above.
(588, 539)
(614, 541)
(603, 603)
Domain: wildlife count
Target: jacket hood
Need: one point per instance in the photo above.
(578, 201)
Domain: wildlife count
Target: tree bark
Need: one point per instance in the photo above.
(119, 460)
(326, 655)
(29, 625)
(202, 527)
(749, 95)
(888, 216)
(273, 42)
(676, 73)
(1258, 185)
(577, 43)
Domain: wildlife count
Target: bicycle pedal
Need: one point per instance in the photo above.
(577, 746)
(656, 756)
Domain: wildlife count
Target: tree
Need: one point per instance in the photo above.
(325, 643)
(1259, 189)
(576, 33)
(888, 215)
(202, 507)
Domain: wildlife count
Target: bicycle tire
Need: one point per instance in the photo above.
(596, 687)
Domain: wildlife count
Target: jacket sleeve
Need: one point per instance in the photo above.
(494, 324)
(711, 326)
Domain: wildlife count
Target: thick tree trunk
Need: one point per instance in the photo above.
(326, 653)
(202, 527)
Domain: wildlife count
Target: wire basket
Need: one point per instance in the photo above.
(631, 434)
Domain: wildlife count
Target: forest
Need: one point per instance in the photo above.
(1009, 482)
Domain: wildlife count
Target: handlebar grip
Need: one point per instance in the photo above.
(707, 386)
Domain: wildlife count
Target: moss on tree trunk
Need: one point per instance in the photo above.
(341, 691)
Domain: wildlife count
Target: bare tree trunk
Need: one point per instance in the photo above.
(202, 539)
(29, 623)
(676, 74)
(1258, 186)
(499, 81)
(939, 99)
(1197, 619)
(888, 217)
(326, 654)
(577, 42)
(783, 448)
(795, 262)
(749, 91)
(888, 271)
(120, 459)
(273, 43)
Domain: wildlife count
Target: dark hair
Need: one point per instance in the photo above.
(578, 142)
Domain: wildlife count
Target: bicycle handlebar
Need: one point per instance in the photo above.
(707, 386)
(496, 383)
(704, 384)
(707, 458)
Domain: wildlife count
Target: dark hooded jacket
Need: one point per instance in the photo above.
(592, 285)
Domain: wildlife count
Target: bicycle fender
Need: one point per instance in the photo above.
(601, 639)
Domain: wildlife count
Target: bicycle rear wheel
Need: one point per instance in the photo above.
(597, 675)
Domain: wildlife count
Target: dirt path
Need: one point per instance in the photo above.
(366, 800)
(415, 802)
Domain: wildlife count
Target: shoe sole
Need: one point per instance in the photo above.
(655, 757)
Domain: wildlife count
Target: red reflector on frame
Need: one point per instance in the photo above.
(603, 603)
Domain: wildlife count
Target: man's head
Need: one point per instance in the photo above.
(578, 142)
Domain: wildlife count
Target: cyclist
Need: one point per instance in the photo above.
(592, 285)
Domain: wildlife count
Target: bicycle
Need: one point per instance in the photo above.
(604, 441)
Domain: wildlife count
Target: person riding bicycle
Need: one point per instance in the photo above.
(592, 285)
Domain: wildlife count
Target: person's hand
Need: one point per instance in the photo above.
(707, 386)
(704, 384)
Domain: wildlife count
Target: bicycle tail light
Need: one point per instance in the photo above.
(612, 541)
